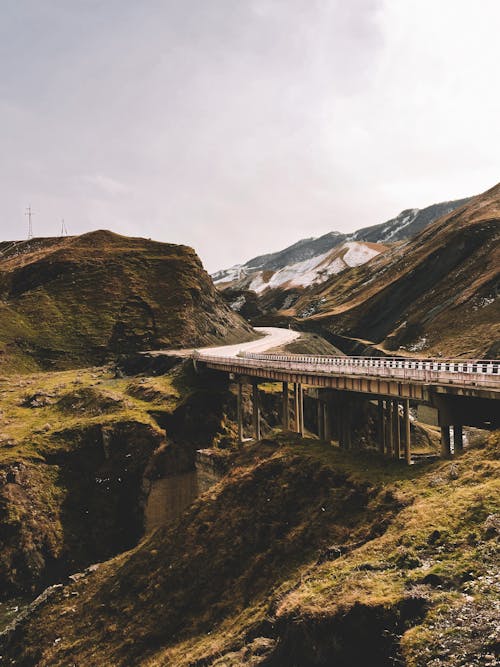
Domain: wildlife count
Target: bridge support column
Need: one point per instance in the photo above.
(381, 427)
(321, 419)
(240, 413)
(445, 442)
(389, 427)
(397, 431)
(326, 422)
(458, 439)
(256, 410)
(301, 410)
(286, 408)
(296, 409)
(406, 416)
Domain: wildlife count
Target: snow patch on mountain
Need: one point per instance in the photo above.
(405, 221)
(359, 253)
(316, 269)
(236, 272)
(312, 260)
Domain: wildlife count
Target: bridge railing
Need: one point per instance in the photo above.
(431, 371)
(483, 366)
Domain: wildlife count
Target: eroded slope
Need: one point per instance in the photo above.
(300, 556)
(437, 294)
(79, 300)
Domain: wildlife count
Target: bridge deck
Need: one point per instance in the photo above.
(412, 378)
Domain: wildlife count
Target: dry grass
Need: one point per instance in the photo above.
(251, 557)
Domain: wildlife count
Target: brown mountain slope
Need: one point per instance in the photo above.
(79, 300)
(299, 557)
(437, 294)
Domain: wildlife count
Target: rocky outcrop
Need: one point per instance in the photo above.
(84, 299)
(82, 504)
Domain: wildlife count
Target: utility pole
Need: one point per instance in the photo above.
(64, 229)
(29, 213)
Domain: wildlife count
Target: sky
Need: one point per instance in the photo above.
(240, 126)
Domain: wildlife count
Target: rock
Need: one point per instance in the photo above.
(39, 399)
(433, 580)
(491, 526)
(434, 537)
(330, 553)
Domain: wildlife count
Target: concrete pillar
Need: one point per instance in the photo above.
(381, 427)
(389, 428)
(458, 439)
(301, 410)
(256, 410)
(320, 419)
(397, 430)
(240, 413)
(327, 435)
(296, 406)
(445, 442)
(406, 415)
(286, 410)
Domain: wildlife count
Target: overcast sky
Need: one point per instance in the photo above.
(240, 126)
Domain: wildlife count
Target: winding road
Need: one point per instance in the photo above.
(273, 337)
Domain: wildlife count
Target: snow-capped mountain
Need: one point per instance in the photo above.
(408, 223)
(313, 260)
(316, 269)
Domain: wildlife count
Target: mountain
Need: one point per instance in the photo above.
(408, 223)
(83, 299)
(313, 260)
(436, 294)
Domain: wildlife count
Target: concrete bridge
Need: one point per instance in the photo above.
(452, 393)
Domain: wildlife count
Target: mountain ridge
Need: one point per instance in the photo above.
(405, 225)
(436, 294)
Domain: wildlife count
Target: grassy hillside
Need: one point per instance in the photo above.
(78, 300)
(436, 294)
(302, 555)
(77, 451)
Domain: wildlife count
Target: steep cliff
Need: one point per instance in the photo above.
(78, 300)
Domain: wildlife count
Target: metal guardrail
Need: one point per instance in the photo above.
(482, 372)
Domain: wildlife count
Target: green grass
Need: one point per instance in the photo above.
(86, 299)
(249, 552)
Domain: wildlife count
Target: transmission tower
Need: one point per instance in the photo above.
(64, 229)
(29, 213)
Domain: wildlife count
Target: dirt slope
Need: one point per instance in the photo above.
(78, 300)
(436, 294)
(298, 557)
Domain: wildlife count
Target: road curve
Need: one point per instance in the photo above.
(273, 337)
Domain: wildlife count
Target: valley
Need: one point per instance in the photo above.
(432, 294)
(157, 511)
(249, 334)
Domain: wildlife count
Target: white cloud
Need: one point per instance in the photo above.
(240, 127)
